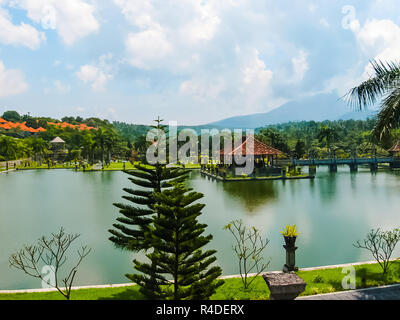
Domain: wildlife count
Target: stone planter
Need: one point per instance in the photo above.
(290, 247)
(284, 286)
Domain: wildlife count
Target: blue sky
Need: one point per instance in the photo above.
(189, 61)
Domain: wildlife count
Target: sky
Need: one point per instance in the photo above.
(190, 61)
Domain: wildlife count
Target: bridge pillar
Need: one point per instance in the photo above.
(373, 167)
(353, 167)
(395, 164)
(312, 170)
(333, 167)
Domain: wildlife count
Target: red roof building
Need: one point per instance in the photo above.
(263, 153)
(7, 125)
(255, 147)
(81, 127)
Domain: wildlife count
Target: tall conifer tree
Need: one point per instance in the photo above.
(137, 217)
(176, 236)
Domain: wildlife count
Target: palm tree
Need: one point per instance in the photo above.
(100, 138)
(110, 142)
(384, 84)
(88, 147)
(329, 135)
(141, 146)
(39, 147)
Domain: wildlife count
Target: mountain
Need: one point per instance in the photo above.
(318, 108)
(356, 115)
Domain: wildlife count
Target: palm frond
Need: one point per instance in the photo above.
(386, 78)
(389, 115)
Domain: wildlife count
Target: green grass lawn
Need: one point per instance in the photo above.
(34, 166)
(118, 166)
(114, 166)
(318, 282)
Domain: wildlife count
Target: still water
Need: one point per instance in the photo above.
(331, 213)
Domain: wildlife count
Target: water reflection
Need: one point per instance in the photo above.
(331, 212)
(327, 186)
(253, 194)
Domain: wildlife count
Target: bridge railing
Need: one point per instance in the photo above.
(341, 161)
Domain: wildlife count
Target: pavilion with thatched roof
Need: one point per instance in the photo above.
(58, 149)
(264, 155)
(395, 150)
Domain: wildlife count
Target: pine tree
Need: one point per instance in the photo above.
(177, 239)
(137, 217)
(135, 220)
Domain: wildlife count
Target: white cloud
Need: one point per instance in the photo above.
(203, 25)
(379, 39)
(148, 48)
(58, 88)
(300, 66)
(12, 82)
(202, 89)
(73, 19)
(256, 80)
(255, 72)
(342, 83)
(19, 35)
(97, 74)
(139, 13)
(382, 37)
(93, 75)
(165, 42)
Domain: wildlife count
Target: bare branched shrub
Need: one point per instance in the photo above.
(248, 248)
(381, 244)
(50, 252)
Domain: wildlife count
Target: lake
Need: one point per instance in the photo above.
(331, 213)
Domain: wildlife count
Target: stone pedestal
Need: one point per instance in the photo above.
(284, 286)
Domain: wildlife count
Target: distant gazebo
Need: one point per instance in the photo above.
(58, 148)
(57, 143)
(265, 158)
(264, 155)
(395, 150)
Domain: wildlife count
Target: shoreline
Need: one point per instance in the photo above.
(117, 285)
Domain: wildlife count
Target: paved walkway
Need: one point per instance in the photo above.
(382, 293)
(10, 170)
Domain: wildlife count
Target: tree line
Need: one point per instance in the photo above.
(341, 139)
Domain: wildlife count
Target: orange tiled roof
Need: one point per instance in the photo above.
(80, 127)
(260, 149)
(21, 126)
(7, 125)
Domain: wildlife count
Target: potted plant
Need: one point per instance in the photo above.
(290, 235)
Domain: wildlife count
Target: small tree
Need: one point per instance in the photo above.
(249, 246)
(177, 241)
(381, 244)
(50, 252)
